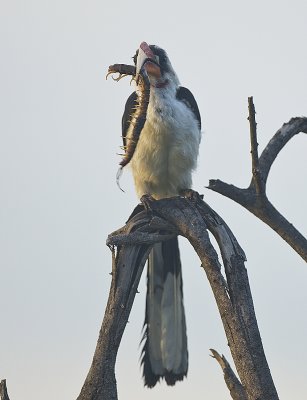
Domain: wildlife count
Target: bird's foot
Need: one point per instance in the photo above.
(146, 200)
(191, 195)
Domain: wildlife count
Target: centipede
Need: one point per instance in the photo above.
(122, 70)
(138, 116)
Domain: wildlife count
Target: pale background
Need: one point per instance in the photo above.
(60, 132)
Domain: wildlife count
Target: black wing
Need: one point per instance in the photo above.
(129, 110)
(187, 97)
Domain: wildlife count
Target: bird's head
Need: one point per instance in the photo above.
(155, 62)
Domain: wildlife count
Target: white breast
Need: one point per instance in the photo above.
(167, 150)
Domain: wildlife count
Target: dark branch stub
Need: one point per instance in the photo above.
(3, 391)
(257, 179)
(235, 387)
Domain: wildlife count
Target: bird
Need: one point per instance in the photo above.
(162, 163)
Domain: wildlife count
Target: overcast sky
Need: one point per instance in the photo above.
(60, 132)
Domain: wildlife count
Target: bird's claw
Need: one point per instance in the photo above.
(191, 195)
(146, 200)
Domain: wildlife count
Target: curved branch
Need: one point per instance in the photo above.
(254, 197)
(127, 267)
(278, 141)
(234, 299)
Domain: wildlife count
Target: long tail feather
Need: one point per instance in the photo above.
(165, 353)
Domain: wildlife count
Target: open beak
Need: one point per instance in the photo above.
(148, 60)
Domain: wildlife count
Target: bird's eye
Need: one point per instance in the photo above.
(162, 59)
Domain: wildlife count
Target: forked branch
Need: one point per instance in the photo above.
(254, 197)
(191, 218)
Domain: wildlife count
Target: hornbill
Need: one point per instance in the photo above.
(162, 163)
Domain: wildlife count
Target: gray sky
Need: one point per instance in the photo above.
(60, 132)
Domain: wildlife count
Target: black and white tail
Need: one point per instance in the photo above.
(165, 352)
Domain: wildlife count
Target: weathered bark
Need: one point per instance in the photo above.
(189, 217)
(127, 267)
(254, 197)
(233, 299)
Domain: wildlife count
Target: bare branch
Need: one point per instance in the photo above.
(235, 387)
(254, 197)
(3, 391)
(138, 238)
(245, 197)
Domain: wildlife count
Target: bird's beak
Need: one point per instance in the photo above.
(148, 60)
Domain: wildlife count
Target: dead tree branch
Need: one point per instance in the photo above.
(127, 267)
(236, 390)
(254, 197)
(189, 217)
(3, 391)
